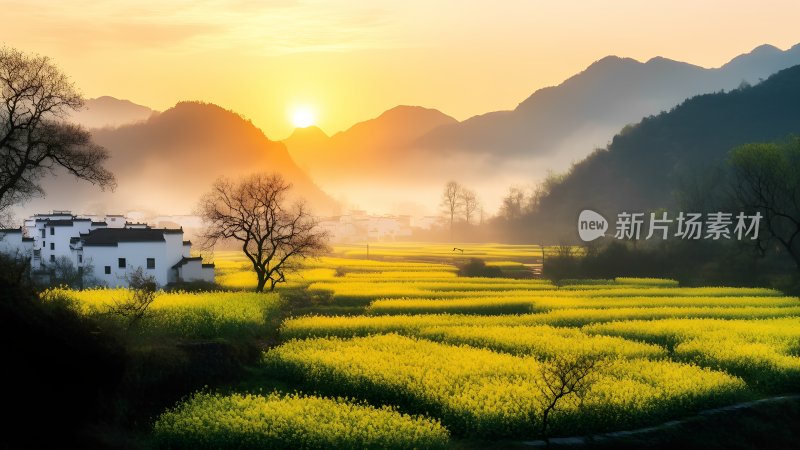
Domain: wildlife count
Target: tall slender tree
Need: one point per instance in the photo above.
(451, 201)
(469, 204)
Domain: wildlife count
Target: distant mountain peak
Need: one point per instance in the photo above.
(110, 99)
(663, 60)
(766, 48)
(404, 111)
(400, 120)
(611, 61)
(107, 111)
(763, 55)
(206, 141)
(310, 132)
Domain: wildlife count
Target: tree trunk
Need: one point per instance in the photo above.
(262, 280)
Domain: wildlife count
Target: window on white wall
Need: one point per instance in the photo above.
(151, 263)
(121, 263)
(52, 231)
(52, 246)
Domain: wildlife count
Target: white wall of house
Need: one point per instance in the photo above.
(174, 246)
(106, 258)
(115, 221)
(62, 234)
(208, 273)
(52, 237)
(191, 270)
(358, 226)
(14, 244)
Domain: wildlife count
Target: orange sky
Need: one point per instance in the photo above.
(351, 60)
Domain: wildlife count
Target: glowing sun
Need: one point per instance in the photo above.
(303, 117)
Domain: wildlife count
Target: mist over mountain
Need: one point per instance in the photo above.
(167, 162)
(647, 164)
(399, 161)
(365, 145)
(370, 165)
(609, 94)
(373, 162)
(108, 111)
(304, 143)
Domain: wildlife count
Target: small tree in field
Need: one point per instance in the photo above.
(253, 212)
(562, 376)
(142, 290)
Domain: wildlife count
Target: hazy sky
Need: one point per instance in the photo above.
(350, 60)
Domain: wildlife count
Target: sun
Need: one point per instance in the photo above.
(303, 117)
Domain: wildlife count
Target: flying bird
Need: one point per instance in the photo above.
(459, 249)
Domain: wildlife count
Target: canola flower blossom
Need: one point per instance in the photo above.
(213, 421)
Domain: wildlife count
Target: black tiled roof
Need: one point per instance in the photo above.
(208, 266)
(185, 260)
(10, 230)
(113, 236)
(60, 223)
(187, 242)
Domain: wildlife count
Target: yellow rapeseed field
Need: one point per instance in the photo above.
(212, 421)
(462, 356)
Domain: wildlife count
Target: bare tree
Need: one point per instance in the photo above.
(272, 235)
(562, 376)
(141, 293)
(64, 273)
(34, 139)
(469, 204)
(451, 201)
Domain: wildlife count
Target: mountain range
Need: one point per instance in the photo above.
(551, 129)
(673, 160)
(609, 94)
(165, 163)
(398, 161)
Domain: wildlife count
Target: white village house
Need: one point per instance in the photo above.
(110, 245)
(358, 226)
